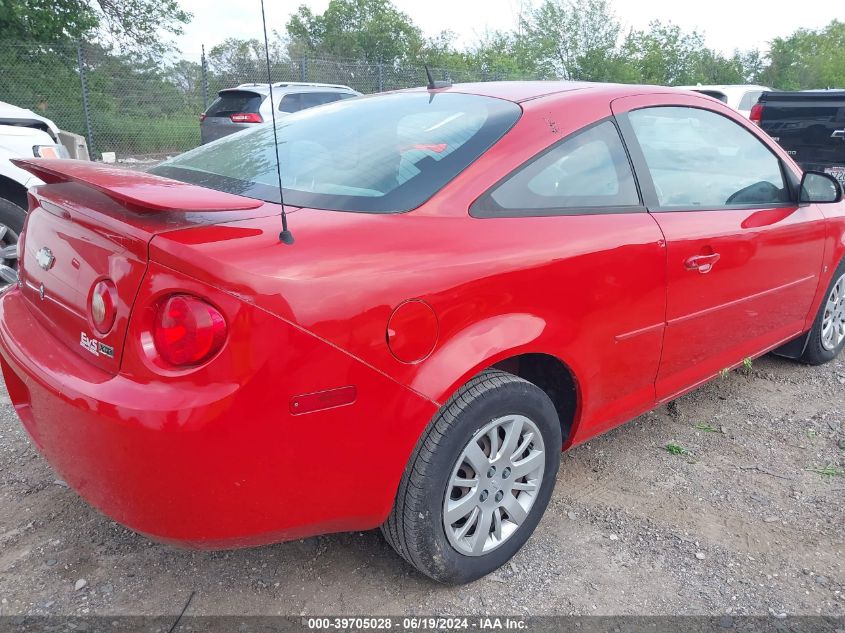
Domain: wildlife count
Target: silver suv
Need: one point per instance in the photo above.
(239, 108)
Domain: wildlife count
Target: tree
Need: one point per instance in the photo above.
(665, 55)
(235, 61)
(573, 39)
(808, 59)
(372, 30)
(131, 25)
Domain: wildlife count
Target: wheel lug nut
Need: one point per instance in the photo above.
(499, 496)
(491, 472)
(483, 496)
(506, 473)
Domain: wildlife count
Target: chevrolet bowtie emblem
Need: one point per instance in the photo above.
(45, 258)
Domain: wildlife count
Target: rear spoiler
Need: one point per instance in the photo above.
(145, 193)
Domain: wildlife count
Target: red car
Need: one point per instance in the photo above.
(482, 275)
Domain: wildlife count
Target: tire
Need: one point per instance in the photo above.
(495, 406)
(12, 215)
(819, 349)
(11, 223)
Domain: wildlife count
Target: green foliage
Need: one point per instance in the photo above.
(46, 20)
(372, 30)
(573, 39)
(674, 449)
(828, 471)
(131, 25)
(707, 428)
(808, 59)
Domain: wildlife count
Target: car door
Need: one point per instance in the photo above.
(743, 257)
(601, 284)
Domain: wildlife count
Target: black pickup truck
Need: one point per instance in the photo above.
(809, 125)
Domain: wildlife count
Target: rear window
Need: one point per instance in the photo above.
(294, 102)
(721, 96)
(234, 102)
(381, 154)
(749, 99)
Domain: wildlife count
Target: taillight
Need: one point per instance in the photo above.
(202, 117)
(103, 305)
(187, 330)
(756, 114)
(246, 117)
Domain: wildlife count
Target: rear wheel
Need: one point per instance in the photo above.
(478, 481)
(12, 215)
(827, 338)
(11, 223)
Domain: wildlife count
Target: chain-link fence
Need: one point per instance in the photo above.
(136, 108)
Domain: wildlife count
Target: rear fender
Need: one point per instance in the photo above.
(478, 347)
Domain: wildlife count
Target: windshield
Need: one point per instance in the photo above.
(381, 154)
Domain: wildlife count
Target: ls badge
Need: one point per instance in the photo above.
(97, 348)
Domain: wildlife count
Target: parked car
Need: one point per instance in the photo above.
(738, 97)
(240, 108)
(481, 275)
(22, 134)
(809, 125)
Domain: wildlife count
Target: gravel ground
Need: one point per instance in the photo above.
(738, 523)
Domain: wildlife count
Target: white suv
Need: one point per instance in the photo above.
(23, 134)
(239, 108)
(738, 97)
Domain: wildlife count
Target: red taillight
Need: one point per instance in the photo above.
(756, 113)
(202, 117)
(187, 330)
(246, 117)
(103, 305)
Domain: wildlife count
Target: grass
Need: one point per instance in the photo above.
(143, 135)
(707, 428)
(811, 433)
(828, 471)
(723, 373)
(676, 450)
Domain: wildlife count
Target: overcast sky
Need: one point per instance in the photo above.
(726, 24)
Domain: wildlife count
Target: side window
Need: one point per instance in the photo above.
(291, 102)
(304, 100)
(585, 172)
(700, 159)
(749, 99)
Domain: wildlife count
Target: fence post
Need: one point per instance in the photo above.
(204, 80)
(380, 77)
(303, 69)
(86, 109)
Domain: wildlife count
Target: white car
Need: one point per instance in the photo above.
(739, 97)
(239, 108)
(23, 134)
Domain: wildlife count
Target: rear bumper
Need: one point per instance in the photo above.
(215, 465)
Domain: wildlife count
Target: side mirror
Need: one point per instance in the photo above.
(820, 187)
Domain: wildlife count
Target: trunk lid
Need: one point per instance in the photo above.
(91, 223)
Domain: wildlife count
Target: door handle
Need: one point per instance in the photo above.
(702, 263)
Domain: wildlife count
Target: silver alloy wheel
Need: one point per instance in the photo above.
(833, 321)
(493, 485)
(8, 257)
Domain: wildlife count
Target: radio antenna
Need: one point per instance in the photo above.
(285, 236)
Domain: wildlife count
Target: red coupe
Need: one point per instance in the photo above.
(480, 276)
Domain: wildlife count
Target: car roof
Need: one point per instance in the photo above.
(9, 111)
(727, 88)
(520, 91)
